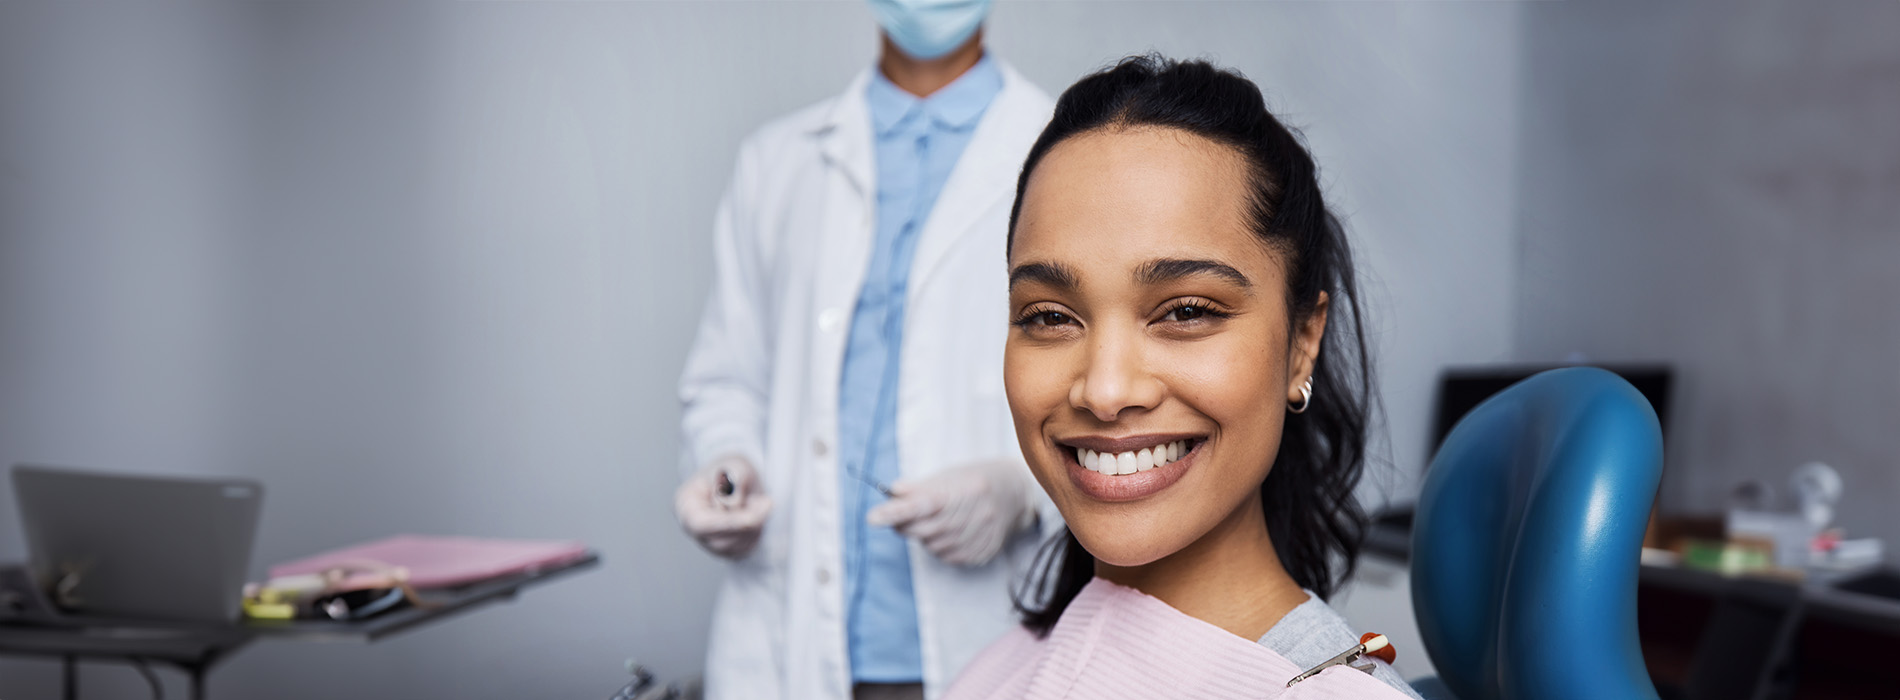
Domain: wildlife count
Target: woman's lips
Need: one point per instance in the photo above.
(1128, 487)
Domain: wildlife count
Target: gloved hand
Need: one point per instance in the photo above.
(726, 521)
(963, 514)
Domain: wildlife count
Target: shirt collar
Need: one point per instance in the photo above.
(957, 105)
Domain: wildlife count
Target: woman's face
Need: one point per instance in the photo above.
(1151, 362)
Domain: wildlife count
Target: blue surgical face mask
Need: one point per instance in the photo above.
(928, 29)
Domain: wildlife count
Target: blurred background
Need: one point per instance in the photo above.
(434, 266)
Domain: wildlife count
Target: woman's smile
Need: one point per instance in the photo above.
(1130, 468)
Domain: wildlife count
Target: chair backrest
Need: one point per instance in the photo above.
(1526, 546)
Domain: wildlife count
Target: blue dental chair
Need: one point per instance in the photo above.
(1526, 542)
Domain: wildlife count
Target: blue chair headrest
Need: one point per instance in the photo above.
(1527, 541)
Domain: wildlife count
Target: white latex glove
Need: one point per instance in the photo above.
(725, 523)
(963, 514)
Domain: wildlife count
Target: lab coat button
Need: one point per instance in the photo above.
(824, 576)
(830, 320)
(818, 447)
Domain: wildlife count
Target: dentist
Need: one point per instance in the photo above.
(849, 448)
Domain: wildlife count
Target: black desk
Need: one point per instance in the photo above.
(196, 647)
(1819, 648)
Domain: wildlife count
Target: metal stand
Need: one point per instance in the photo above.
(197, 672)
(32, 630)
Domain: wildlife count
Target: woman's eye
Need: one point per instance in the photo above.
(1186, 313)
(1050, 318)
(1193, 314)
(1045, 319)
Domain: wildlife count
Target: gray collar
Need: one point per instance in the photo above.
(1313, 632)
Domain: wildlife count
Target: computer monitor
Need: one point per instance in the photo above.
(1461, 389)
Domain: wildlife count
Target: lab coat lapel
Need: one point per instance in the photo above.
(844, 244)
(846, 237)
(984, 174)
(845, 136)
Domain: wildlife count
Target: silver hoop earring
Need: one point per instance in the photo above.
(1306, 397)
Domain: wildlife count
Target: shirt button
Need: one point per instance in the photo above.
(830, 320)
(818, 447)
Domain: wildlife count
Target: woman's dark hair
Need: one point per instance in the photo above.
(1313, 519)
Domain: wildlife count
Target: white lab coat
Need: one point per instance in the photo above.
(791, 242)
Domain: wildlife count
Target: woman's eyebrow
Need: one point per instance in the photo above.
(1170, 269)
(1053, 274)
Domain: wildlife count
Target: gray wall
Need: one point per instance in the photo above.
(433, 267)
(1717, 185)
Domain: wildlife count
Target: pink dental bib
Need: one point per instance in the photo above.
(1115, 642)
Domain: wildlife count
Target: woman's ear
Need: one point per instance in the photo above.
(1306, 343)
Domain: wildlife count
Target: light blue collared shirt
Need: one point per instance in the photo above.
(918, 143)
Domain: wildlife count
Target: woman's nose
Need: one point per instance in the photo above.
(1114, 378)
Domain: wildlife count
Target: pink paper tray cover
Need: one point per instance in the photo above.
(442, 562)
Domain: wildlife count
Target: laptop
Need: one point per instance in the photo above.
(126, 546)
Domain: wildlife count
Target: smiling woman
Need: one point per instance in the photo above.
(1188, 379)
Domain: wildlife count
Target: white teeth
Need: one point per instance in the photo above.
(1133, 461)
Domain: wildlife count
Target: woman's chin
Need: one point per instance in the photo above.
(1123, 552)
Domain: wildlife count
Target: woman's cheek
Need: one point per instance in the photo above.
(1231, 381)
(1027, 379)
(1220, 373)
